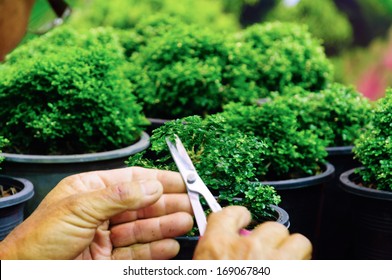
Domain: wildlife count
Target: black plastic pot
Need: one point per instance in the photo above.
(11, 207)
(45, 172)
(302, 198)
(335, 231)
(370, 219)
(188, 243)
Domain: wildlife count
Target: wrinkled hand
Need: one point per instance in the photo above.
(130, 213)
(270, 240)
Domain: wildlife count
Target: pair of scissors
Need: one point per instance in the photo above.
(194, 184)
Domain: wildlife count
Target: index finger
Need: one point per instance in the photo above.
(171, 181)
(230, 220)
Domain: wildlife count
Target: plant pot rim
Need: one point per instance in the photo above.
(309, 181)
(339, 150)
(351, 187)
(141, 144)
(23, 195)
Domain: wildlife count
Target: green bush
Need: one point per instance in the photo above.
(337, 114)
(66, 36)
(323, 18)
(226, 161)
(374, 147)
(288, 56)
(290, 152)
(146, 29)
(68, 99)
(126, 14)
(192, 71)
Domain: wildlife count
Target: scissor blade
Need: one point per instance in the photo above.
(184, 154)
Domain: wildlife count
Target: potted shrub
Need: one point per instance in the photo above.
(370, 185)
(294, 160)
(288, 56)
(14, 192)
(227, 162)
(337, 114)
(68, 109)
(191, 71)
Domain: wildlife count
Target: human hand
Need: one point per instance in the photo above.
(130, 213)
(268, 241)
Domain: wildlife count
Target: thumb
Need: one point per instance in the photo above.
(100, 205)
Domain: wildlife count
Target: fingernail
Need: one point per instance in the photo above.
(150, 187)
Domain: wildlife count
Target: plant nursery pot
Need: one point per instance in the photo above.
(334, 233)
(45, 172)
(302, 198)
(370, 219)
(188, 243)
(11, 207)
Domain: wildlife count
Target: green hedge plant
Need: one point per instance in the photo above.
(374, 147)
(288, 56)
(291, 152)
(192, 71)
(337, 114)
(227, 162)
(68, 99)
(3, 142)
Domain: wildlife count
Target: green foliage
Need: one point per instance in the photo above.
(227, 161)
(66, 36)
(3, 142)
(288, 56)
(126, 14)
(374, 147)
(323, 18)
(146, 29)
(336, 114)
(291, 152)
(192, 71)
(69, 98)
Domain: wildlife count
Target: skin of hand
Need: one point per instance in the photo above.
(268, 241)
(129, 213)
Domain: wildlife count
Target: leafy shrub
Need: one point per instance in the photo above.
(323, 18)
(125, 14)
(290, 152)
(374, 147)
(66, 36)
(146, 29)
(337, 114)
(227, 162)
(192, 71)
(68, 99)
(289, 56)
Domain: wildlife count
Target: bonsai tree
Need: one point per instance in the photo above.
(319, 17)
(336, 114)
(227, 162)
(66, 36)
(68, 99)
(288, 56)
(192, 71)
(374, 147)
(291, 152)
